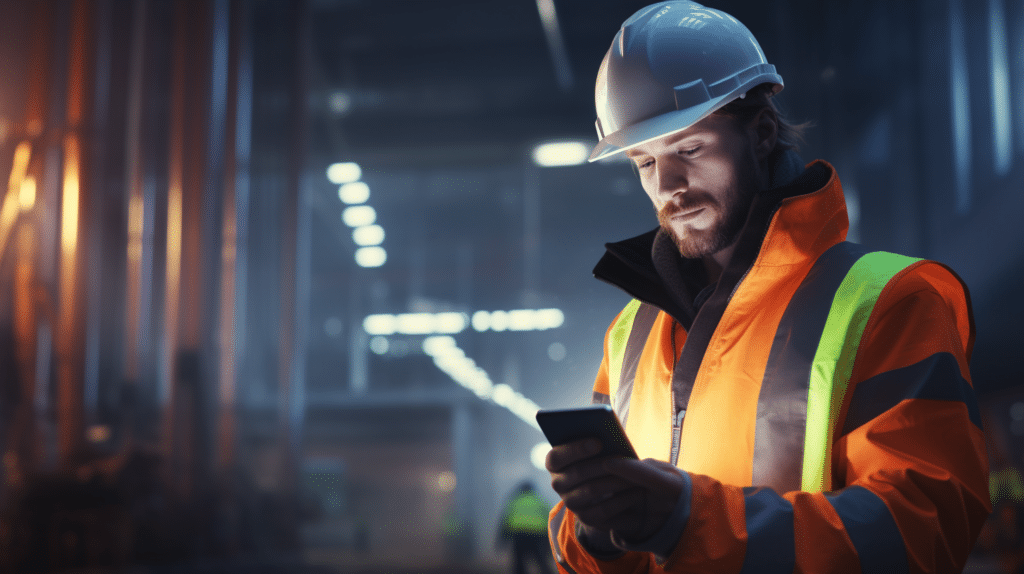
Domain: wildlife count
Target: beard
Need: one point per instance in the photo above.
(730, 217)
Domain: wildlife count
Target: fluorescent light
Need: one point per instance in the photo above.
(354, 192)
(380, 324)
(549, 319)
(503, 395)
(368, 235)
(518, 320)
(499, 321)
(453, 361)
(371, 256)
(437, 345)
(554, 154)
(344, 172)
(454, 322)
(359, 215)
(481, 321)
(448, 323)
(416, 323)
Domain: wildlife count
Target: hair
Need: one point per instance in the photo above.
(744, 109)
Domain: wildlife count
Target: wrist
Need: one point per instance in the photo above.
(663, 541)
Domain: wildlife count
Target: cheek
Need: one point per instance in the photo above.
(715, 173)
(653, 196)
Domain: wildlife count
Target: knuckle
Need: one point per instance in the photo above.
(558, 485)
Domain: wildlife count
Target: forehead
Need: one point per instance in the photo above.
(713, 126)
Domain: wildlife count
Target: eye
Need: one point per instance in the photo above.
(645, 163)
(690, 152)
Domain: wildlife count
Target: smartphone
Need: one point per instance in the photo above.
(599, 421)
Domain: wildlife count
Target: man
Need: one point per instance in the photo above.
(798, 403)
(523, 524)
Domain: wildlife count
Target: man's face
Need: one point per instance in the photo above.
(702, 181)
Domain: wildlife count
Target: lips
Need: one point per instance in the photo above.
(687, 214)
(675, 214)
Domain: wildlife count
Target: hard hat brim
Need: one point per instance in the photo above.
(669, 123)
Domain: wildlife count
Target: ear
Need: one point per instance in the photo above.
(765, 129)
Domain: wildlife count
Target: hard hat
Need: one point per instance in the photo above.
(671, 65)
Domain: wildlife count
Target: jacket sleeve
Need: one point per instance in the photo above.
(571, 556)
(909, 467)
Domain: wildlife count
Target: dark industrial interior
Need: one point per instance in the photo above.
(219, 354)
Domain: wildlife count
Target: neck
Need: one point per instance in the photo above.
(716, 262)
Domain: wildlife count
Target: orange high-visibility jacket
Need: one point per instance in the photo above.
(727, 393)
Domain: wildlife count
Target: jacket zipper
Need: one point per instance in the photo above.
(676, 430)
(678, 426)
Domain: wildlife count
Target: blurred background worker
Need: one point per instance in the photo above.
(524, 524)
(801, 402)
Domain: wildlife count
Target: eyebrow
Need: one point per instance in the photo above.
(634, 152)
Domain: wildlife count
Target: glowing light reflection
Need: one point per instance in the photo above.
(1001, 134)
(961, 107)
(555, 154)
(453, 361)
(344, 172)
(69, 230)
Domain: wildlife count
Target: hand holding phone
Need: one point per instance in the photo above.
(561, 426)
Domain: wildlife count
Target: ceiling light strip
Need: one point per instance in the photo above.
(453, 361)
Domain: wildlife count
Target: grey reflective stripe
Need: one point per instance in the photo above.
(771, 542)
(937, 378)
(600, 399)
(638, 334)
(872, 529)
(782, 402)
(554, 525)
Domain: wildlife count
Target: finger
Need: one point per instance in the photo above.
(595, 492)
(662, 484)
(574, 475)
(569, 453)
(648, 473)
(622, 512)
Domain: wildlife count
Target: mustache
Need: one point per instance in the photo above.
(673, 208)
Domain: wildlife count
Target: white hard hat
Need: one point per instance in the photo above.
(671, 65)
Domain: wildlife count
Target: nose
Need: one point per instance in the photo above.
(670, 178)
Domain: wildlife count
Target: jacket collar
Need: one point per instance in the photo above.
(787, 225)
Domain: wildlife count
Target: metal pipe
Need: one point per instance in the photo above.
(73, 236)
(234, 252)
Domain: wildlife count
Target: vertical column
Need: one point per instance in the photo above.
(531, 235)
(358, 361)
(73, 236)
(234, 262)
(295, 245)
(140, 249)
(101, 272)
(462, 455)
(193, 250)
(172, 272)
